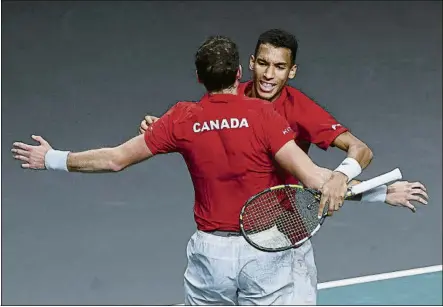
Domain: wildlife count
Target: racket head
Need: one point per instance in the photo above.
(281, 217)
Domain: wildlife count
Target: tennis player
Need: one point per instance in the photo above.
(229, 143)
(273, 65)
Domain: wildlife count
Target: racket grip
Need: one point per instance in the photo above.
(376, 182)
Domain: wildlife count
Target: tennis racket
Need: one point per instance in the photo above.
(286, 216)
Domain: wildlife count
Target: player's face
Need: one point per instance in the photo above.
(271, 68)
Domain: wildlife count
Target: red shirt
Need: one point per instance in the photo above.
(228, 143)
(310, 122)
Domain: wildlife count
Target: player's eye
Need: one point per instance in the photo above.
(261, 63)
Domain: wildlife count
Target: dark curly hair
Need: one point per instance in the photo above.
(217, 62)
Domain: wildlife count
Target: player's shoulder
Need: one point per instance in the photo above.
(182, 110)
(185, 106)
(297, 95)
(299, 99)
(305, 105)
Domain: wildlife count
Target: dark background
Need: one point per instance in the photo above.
(83, 74)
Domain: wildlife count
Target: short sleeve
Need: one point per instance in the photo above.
(314, 124)
(159, 137)
(277, 131)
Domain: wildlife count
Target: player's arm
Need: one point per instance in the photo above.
(110, 159)
(319, 127)
(354, 148)
(159, 139)
(397, 194)
(295, 161)
(279, 139)
(114, 159)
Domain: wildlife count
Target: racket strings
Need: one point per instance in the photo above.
(292, 211)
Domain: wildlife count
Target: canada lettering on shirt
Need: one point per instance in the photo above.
(217, 124)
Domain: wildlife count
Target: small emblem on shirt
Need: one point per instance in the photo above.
(287, 130)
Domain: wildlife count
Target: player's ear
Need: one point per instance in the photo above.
(239, 73)
(198, 79)
(293, 72)
(251, 62)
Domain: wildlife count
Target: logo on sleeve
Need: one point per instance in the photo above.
(230, 123)
(335, 126)
(287, 130)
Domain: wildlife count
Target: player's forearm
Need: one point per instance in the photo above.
(94, 161)
(361, 153)
(297, 163)
(99, 160)
(354, 148)
(315, 177)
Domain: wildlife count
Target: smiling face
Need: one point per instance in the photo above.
(272, 67)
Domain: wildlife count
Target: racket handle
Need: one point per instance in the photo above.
(376, 182)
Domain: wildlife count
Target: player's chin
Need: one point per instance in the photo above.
(268, 95)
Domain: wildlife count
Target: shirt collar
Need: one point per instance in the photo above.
(219, 98)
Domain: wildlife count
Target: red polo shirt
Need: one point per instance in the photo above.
(310, 122)
(228, 143)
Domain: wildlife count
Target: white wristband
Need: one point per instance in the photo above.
(350, 167)
(56, 160)
(377, 194)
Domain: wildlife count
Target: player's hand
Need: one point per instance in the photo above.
(401, 193)
(146, 122)
(31, 156)
(333, 193)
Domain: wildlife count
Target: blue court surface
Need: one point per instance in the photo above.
(421, 289)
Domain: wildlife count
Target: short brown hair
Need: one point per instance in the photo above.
(217, 62)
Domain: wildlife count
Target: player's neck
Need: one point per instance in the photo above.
(230, 91)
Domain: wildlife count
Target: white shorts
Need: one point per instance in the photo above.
(229, 271)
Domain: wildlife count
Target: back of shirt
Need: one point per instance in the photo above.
(228, 143)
